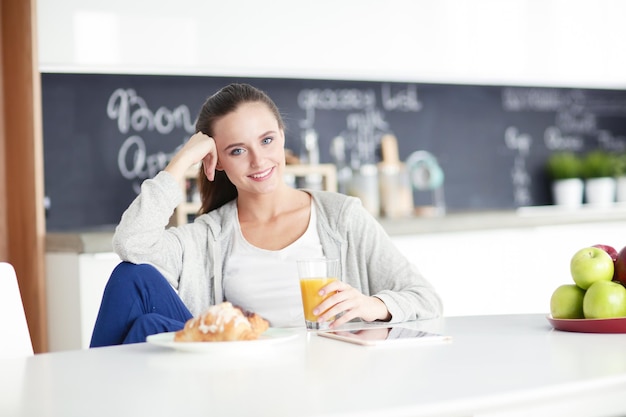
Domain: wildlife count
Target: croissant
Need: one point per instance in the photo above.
(222, 322)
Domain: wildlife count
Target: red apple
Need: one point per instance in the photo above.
(612, 253)
(608, 249)
(620, 266)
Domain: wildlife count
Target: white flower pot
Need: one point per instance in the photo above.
(568, 193)
(600, 191)
(621, 189)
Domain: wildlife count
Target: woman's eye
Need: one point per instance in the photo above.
(268, 140)
(237, 151)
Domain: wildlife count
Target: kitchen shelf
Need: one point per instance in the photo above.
(327, 171)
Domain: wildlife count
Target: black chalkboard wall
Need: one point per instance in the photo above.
(104, 134)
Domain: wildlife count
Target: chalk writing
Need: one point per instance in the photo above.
(517, 142)
(365, 122)
(576, 123)
(610, 142)
(519, 99)
(135, 164)
(341, 99)
(131, 111)
(133, 114)
(364, 130)
(403, 100)
(556, 141)
(521, 143)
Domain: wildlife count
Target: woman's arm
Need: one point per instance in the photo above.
(141, 235)
(395, 279)
(377, 273)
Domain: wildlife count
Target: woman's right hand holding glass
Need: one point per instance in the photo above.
(199, 147)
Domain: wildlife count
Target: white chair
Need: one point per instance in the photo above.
(15, 341)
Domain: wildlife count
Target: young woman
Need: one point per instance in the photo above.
(244, 245)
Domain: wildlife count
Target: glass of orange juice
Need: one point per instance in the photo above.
(314, 274)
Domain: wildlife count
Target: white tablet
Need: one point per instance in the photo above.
(389, 335)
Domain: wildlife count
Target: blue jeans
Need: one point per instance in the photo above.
(137, 302)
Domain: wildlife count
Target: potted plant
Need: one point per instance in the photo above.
(565, 171)
(599, 168)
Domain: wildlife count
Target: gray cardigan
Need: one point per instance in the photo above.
(191, 256)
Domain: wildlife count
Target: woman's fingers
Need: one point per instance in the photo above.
(343, 301)
(346, 303)
(202, 148)
(209, 162)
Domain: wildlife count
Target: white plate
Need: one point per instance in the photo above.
(270, 337)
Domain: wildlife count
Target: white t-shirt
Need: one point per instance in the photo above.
(266, 281)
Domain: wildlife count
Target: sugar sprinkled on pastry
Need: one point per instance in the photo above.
(222, 322)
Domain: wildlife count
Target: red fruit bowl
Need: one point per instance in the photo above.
(616, 325)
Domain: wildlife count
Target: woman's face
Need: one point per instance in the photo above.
(250, 148)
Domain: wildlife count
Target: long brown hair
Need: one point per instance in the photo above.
(216, 193)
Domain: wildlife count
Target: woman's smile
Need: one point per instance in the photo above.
(263, 175)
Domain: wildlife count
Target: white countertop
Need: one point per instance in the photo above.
(495, 365)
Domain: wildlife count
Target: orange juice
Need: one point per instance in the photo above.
(309, 287)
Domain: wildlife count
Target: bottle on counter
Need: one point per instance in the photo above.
(364, 181)
(364, 185)
(310, 154)
(340, 159)
(396, 193)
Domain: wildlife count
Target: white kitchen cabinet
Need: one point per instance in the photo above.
(74, 286)
(503, 271)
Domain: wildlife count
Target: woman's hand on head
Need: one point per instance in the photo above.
(352, 303)
(199, 148)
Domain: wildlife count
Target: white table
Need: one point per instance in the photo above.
(496, 365)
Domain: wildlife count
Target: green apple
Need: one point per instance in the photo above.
(604, 300)
(567, 302)
(589, 265)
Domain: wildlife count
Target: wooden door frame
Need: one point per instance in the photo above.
(22, 218)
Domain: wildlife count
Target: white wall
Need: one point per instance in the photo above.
(514, 42)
